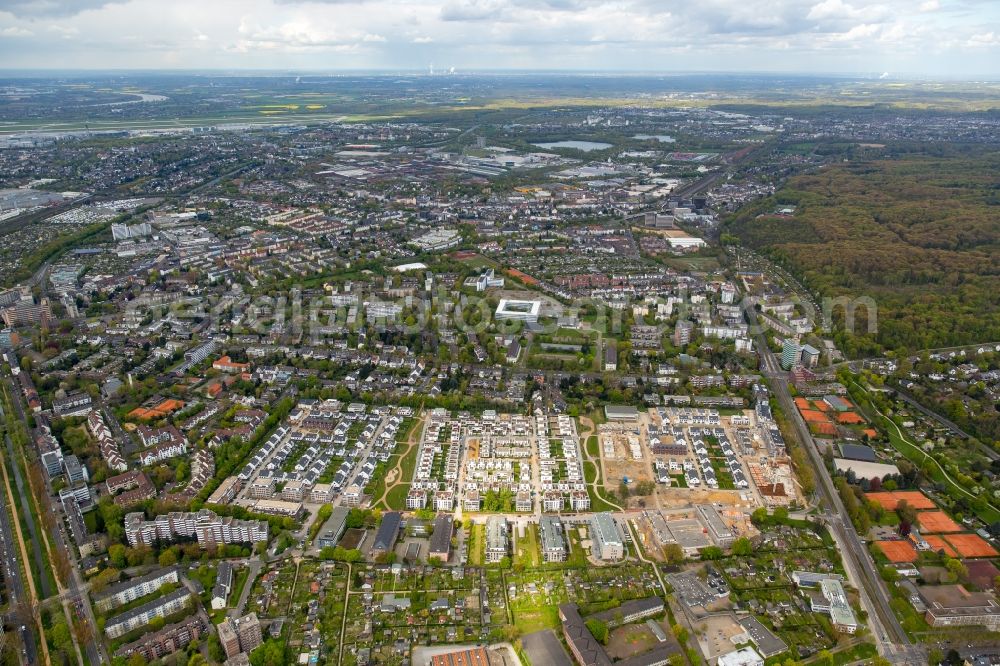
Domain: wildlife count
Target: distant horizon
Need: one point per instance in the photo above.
(423, 72)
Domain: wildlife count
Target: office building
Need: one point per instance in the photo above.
(496, 539)
(526, 311)
(334, 527)
(605, 537)
(553, 539)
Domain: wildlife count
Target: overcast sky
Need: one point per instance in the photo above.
(955, 38)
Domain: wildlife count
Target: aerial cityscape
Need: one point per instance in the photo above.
(313, 352)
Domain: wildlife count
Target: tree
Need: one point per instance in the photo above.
(673, 553)
(103, 579)
(215, 650)
(168, 558)
(116, 554)
(599, 629)
(680, 633)
(742, 546)
(271, 653)
(906, 512)
(957, 569)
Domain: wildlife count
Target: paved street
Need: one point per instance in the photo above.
(893, 643)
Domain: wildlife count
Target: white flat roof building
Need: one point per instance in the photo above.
(743, 657)
(519, 310)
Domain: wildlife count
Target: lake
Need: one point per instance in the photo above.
(585, 146)
(662, 138)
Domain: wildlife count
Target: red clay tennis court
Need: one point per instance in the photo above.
(971, 545)
(898, 551)
(937, 522)
(812, 416)
(938, 544)
(849, 418)
(889, 500)
(802, 403)
(824, 428)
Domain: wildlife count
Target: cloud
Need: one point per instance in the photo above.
(14, 31)
(901, 36)
(984, 39)
(45, 8)
(832, 9)
(472, 10)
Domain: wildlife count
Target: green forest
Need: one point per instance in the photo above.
(920, 234)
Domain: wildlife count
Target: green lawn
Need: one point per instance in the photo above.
(527, 548)
(409, 463)
(593, 447)
(239, 582)
(476, 540)
(534, 618)
(597, 502)
(396, 499)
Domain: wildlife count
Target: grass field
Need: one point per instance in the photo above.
(476, 540)
(527, 552)
(396, 499)
(536, 617)
(597, 503)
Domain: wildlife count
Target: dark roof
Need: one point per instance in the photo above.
(582, 641)
(441, 538)
(180, 593)
(654, 656)
(388, 531)
(628, 608)
(117, 588)
(857, 452)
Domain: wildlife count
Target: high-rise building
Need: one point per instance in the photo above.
(228, 638)
(790, 351)
(240, 635)
(248, 630)
(682, 332)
